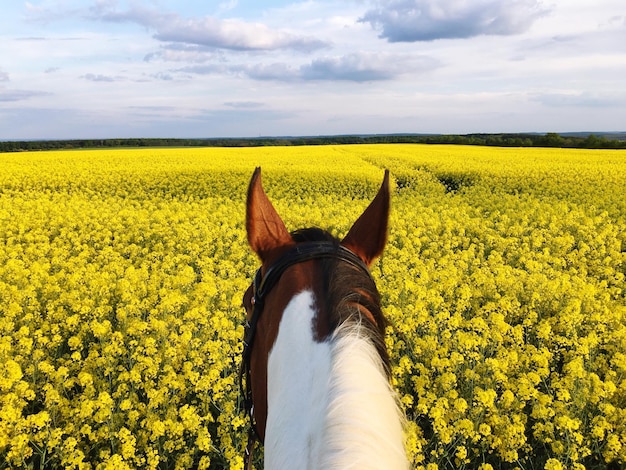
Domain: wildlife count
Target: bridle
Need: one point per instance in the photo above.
(262, 285)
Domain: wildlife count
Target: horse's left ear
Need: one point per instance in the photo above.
(266, 230)
(368, 235)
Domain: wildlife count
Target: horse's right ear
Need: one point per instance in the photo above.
(266, 230)
(368, 235)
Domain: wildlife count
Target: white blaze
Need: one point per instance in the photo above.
(298, 372)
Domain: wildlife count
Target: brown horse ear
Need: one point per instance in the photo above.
(368, 235)
(266, 230)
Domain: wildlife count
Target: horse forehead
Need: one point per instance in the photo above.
(300, 277)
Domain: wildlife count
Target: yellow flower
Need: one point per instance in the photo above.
(485, 398)
(127, 443)
(122, 271)
(461, 453)
(553, 464)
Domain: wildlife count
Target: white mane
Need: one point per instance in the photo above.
(330, 405)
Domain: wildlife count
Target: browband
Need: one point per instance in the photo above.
(298, 254)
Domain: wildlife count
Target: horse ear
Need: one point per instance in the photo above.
(266, 230)
(368, 235)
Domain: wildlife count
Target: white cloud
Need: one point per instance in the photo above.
(189, 53)
(93, 77)
(364, 67)
(47, 11)
(209, 31)
(243, 104)
(354, 67)
(278, 71)
(233, 34)
(582, 99)
(18, 95)
(427, 20)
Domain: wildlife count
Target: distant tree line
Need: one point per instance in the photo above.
(551, 139)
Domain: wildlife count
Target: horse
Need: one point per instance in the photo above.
(315, 369)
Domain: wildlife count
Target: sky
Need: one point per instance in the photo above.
(83, 69)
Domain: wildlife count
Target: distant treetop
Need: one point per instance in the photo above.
(551, 139)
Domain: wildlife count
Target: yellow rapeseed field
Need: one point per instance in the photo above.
(122, 271)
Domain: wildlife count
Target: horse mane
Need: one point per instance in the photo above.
(347, 294)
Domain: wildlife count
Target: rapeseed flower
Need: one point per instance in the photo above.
(121, 275)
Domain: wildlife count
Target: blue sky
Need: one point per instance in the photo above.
(171, 68)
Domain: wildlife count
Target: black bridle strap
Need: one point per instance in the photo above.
(301, 253)
(262, 285)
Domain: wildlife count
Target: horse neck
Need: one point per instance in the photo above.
(329, 403)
